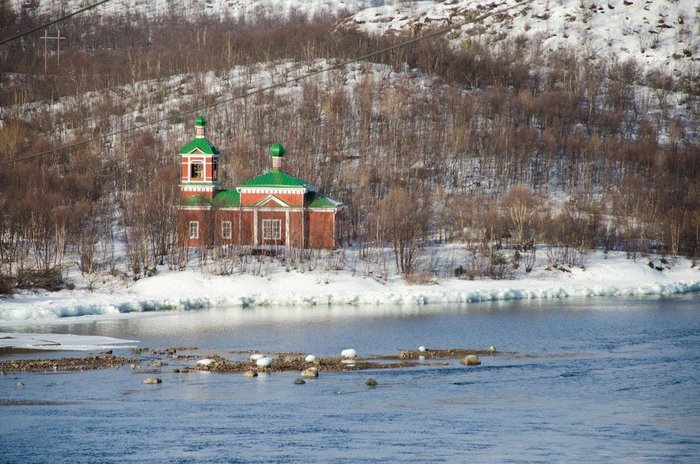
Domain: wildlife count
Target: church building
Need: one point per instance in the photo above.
(272, 209)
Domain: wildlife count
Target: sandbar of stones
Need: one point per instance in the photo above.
(66, 364)
(184, 359)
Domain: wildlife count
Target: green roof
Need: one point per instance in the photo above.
(232, 199)
(316, 200)
(227, 199)
(196, 201)
(275, 178)
(204, 145)
(222, 199)
(200, 121)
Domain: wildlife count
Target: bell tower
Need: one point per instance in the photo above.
(199, 165)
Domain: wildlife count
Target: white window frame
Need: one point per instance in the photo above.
(272, 229)
(194, 229)
(226, 230)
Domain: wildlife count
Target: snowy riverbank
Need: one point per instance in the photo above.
(603, 275)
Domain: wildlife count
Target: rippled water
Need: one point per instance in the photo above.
(595, 380)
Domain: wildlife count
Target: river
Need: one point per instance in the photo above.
(576, 380)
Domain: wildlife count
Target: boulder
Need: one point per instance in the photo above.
(310, 358)
(157, 364)
(371, 382)
(471, 360)
(250, 374)
(264, 362)
(348, 353)
(152, 380)
(492, 349)
(311, 373)
(299, 381)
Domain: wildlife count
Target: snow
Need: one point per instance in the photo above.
(220, 8)
(47, 341)
(280, 289)
(658, 34)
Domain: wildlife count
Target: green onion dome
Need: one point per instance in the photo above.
(277, 150)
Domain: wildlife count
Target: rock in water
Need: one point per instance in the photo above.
(371, 382)
(157, 364)
(492, 349)
(206, 362)
(310, 373)
(310, 358)
(421, 349)
(471, 360)
(299, 381)
(255, 357)
(250, 374)
(264, 362)
(152, 380)
(348, 353)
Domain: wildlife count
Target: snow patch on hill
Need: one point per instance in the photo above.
(221, 8)
(658, 34)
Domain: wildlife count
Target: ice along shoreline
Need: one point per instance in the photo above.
(612, 275)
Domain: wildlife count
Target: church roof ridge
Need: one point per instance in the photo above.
(275, 178)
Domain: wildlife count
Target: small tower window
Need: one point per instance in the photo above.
(197, 170)
(215, 169)
(194, 229)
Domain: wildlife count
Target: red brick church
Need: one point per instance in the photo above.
(272, 209)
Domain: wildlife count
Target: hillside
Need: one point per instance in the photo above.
(491, 145)
(217, 8)
(657, 34)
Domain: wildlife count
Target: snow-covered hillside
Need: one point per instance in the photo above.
(656, 33)
(221, 8)
(659, 34)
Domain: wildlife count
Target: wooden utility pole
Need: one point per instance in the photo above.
(58, 39)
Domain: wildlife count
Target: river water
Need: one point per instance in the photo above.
(577, 380)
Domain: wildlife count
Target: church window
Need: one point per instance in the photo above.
(197, 170)
(226, 229)
(194, 229)
(272, 229)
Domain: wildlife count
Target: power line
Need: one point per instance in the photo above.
(430, 35)
(62, 18)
